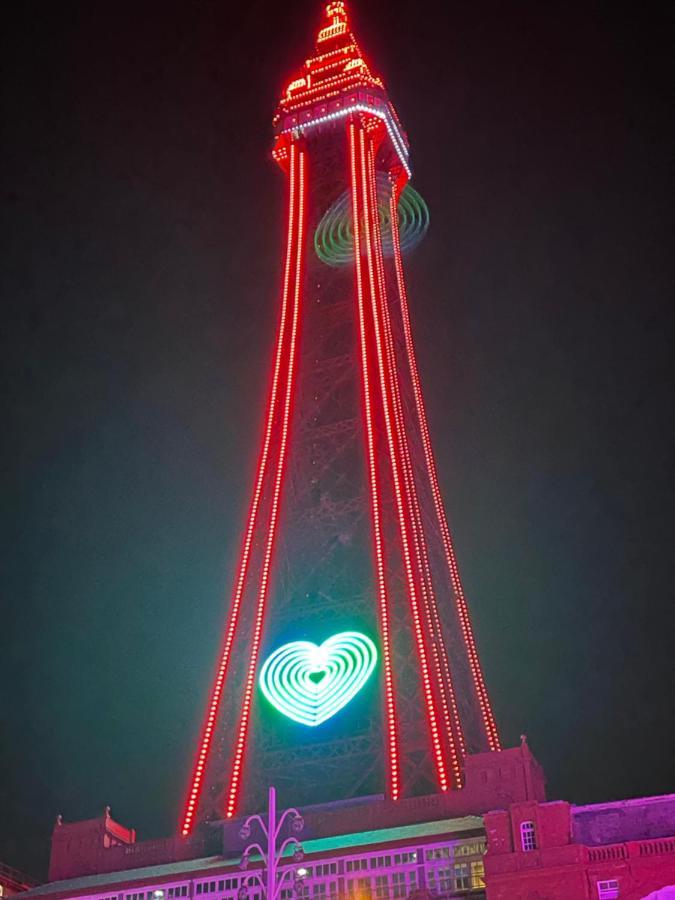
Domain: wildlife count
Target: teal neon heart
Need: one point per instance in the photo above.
(309, 683)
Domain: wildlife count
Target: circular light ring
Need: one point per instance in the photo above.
(334, 235)
(344, 663)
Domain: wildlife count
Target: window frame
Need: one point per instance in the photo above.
(528, 836)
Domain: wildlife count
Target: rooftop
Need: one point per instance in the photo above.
(313, 847)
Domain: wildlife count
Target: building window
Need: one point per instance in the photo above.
(326, 869)
(364, 887)
(382, 887)
(462, 875)
(379, 862)
(478, 874)
(528, 839)
(607, 890)
(398, 885)
(438, 853)
(360, 888)
(441, 880)
(474, 848)
(356, 865)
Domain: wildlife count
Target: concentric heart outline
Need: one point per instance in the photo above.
(346, 660)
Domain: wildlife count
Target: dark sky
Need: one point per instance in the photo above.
(143, 222)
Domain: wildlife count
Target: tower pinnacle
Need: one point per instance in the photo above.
(333, 83)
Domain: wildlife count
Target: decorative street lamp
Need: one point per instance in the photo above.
(271, 856)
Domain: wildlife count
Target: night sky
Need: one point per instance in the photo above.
(142, 252)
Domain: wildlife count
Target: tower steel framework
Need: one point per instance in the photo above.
(346, 526)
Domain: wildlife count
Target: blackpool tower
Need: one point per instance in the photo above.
(348, 663)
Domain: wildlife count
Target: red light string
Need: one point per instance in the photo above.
(217, 691)
(274, 512)
(460, 597)
(410, 496)
(383, 602)
(448, 697)
(439, 656)
(322, 90)
(369, 218)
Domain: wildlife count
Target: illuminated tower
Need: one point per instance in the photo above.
(348, 663)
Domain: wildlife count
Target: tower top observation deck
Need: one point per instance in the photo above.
(334, 83)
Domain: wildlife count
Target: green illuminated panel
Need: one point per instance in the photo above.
(309, 683)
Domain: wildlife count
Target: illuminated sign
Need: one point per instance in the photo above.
(309, 683)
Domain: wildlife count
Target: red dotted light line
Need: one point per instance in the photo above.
(436, 628)
(410, 492)
(393, 761)
(460, 597)
(330, 87)
(369, 216)
(274, 513)
(446, 691)
(217, 691)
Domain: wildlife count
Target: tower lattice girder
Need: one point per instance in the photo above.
(346, 527)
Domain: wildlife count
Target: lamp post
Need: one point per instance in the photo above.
(271, 856)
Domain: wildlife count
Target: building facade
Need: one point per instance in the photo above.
(444, 857)
(555, 851)
(496, 839)
(368, 847)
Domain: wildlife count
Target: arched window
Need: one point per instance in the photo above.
(528, 838)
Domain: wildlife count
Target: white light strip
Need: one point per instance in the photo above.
(393, 131)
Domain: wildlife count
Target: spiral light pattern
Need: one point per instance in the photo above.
(334, 235)
(309, 683)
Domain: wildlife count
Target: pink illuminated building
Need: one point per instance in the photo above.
(601, 851)
(367, 847)
(496, 839)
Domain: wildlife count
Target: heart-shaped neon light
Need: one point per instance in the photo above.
(309, 683)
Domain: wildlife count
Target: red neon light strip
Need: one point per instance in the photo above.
(392, 754)
(472, 658)
(274, 513)
(412, 590)
(410, 493)
(438, 645)
(216, 694)
(429, 601)
(462, 607)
